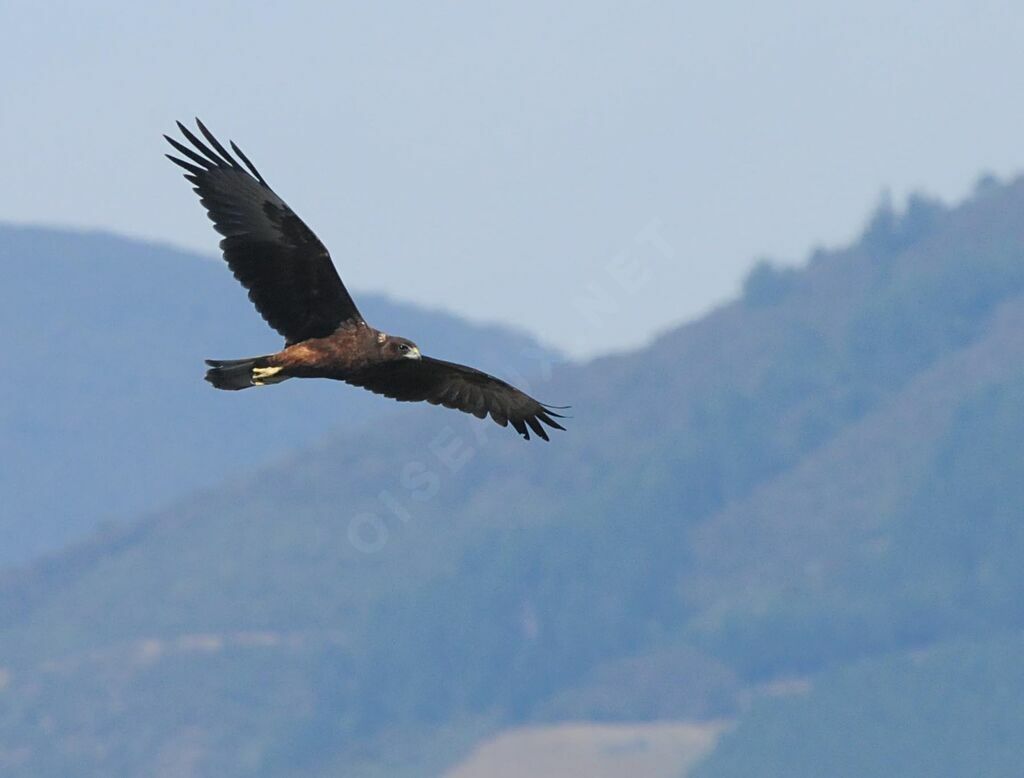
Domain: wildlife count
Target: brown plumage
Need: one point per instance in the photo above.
(294, 285)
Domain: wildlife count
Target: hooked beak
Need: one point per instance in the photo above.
(414, 353)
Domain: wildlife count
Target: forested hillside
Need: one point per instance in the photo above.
(819, 481)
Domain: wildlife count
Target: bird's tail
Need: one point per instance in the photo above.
(243, 373)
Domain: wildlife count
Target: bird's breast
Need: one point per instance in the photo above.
(338, 355)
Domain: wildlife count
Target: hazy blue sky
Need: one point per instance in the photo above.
(531, 163)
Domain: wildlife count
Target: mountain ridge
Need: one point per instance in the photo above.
(497, 583)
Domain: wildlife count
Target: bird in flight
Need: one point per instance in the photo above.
(294, 285)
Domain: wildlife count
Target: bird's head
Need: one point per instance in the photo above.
(393, 347)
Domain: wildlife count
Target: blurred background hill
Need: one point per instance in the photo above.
(792, 525)
(107, 417)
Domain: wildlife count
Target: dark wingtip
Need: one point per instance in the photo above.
(217, 145)
(545, 417)
(192, 169)
(537, 427)
(520, 426)
(534, 423)
(205, 150)
(248, 164)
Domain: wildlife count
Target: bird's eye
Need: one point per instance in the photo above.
(403, 347)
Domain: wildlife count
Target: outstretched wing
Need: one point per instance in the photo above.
(461, 388)
(285, 267)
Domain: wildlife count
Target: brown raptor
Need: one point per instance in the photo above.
(294, 285)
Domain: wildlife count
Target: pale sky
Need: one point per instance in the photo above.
(592, 172)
